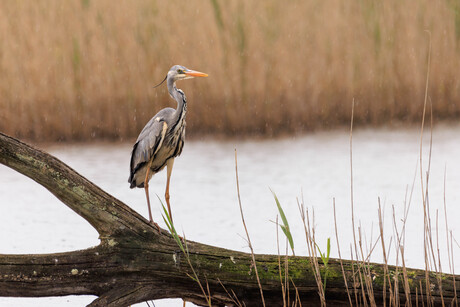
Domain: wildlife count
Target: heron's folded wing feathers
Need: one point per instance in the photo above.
(148, 143)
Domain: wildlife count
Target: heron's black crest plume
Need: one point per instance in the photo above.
(161, 82)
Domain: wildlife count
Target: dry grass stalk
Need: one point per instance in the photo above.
(286, 274)
(367, 275)
(354, 273)
(453, 271)
(247, 233)
(311, 245)
(297, 301)
(428, 245)
(449, 246)
(421, 294)
(232, 295)
(400, 249)
(439, 274)
(340, 256)
(352, 208)
(385, 259)
(283, 287)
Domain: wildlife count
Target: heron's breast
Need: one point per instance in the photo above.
(166, 152)
(170, 148)
(175, 138)
(160, 159)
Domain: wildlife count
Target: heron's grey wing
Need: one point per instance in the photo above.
(147, 144)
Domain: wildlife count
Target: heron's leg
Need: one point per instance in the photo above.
(146, 187)
(169, 166)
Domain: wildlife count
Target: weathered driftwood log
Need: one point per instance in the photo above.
(134, 263)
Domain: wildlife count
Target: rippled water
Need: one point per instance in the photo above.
(204, 199)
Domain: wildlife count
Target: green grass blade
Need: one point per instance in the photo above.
(171, 228)
(285, 226)
(323, 257)
(325, 260)
(283, 216)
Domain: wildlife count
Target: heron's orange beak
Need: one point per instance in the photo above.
(194, 73)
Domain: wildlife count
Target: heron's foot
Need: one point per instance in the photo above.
(182, 239)
(156, 225)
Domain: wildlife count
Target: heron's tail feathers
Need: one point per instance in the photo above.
(132, 180)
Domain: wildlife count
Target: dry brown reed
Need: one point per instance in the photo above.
(340, 256)
(309, 230)
(76, 70)
(248, 239)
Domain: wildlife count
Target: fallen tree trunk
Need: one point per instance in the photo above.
(134, 263)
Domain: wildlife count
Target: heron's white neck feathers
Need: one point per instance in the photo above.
(181, 110)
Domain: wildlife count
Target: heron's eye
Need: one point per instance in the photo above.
(180, 71)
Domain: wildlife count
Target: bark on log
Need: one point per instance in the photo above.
(134, 263)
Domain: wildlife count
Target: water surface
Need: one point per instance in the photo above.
(315, 168)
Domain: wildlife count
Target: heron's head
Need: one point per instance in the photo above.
(179, 72)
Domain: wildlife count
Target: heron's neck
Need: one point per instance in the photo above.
(179, 96)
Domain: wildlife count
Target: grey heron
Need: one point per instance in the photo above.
(162, 138)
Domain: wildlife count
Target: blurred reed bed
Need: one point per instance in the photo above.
(77, 70)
